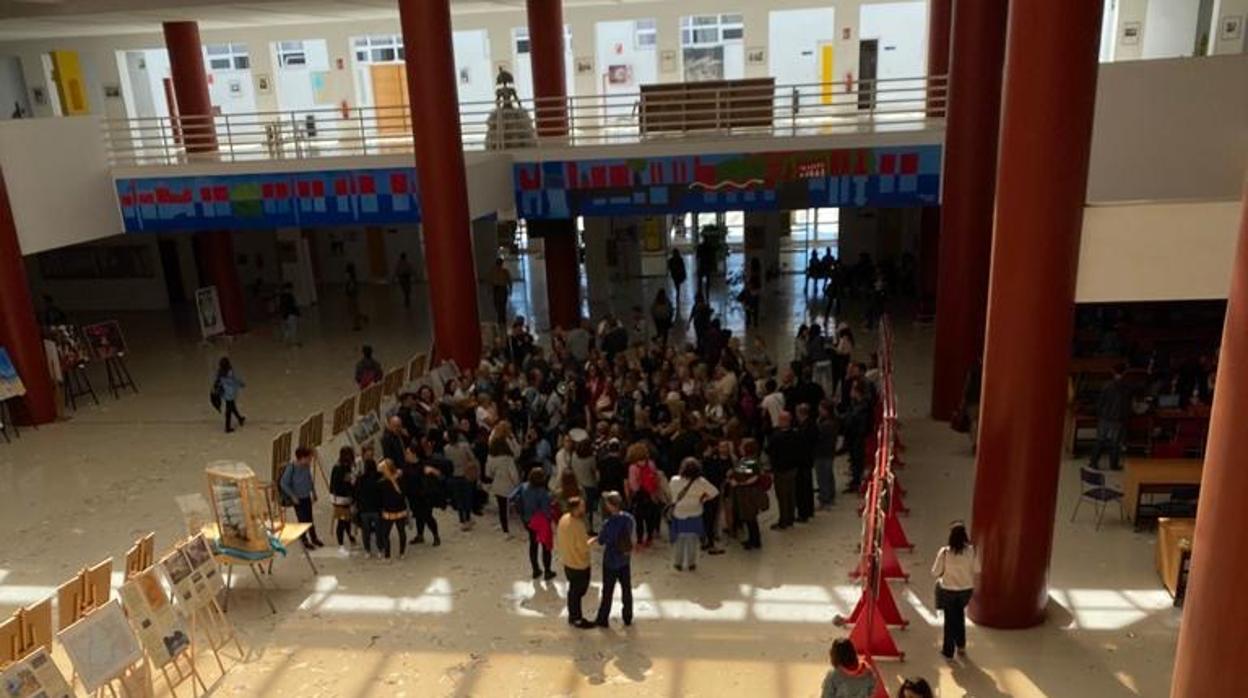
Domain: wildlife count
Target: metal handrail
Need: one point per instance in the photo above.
(701, 112)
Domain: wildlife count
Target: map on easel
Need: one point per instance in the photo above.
(364, 431)
(161, 631)
(101, 646)
(10, 383)
(34, 676)
(344, 414)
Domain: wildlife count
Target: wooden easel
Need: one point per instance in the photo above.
(369, 400)
(26, 630)
(217, 630)
(281, 454)
(393, 382)
(118, 375)
(78, 384)
(83, 593)
(124, 684)
(140, 555)
(344, 415)
(416, 366)
(312, 431)
(190, 673)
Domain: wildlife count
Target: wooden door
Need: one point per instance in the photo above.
(390, 98)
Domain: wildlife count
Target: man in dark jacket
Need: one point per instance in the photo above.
(855, 424)
(392, 442)
(785, 450)
(805, 481)
(1111, 415)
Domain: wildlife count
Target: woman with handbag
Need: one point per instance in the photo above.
(685, 514)
(955, 568)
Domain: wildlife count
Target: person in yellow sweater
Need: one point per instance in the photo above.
(572, 543)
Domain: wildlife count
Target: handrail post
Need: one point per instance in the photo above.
(294, 135)
(229, 135)
(164, 144)
(363, 134)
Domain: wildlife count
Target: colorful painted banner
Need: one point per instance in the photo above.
(888, 177)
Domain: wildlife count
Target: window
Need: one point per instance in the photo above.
(378, 49)
(711, 30)
(645, 33)
(520, 37)
(227, 57)
(291, 54)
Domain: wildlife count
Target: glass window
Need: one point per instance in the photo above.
(646, 34)
(733, 33)
(705, 21)
(731, 19)
(219, 63)
(706, 36)
(242, 63)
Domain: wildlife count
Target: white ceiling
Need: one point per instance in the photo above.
(41, 19)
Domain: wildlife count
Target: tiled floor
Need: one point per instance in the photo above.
(464, 619)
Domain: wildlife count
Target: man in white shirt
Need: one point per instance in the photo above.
(773, 403)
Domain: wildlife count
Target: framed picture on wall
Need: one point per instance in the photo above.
(667, 61)
(1231, 27)
(1130, 33)
(263, 85)
(756, 56)
(584, 65)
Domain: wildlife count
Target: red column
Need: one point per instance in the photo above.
(194, 122)
(939, 22)
(19, 331)
(433, 89)
(190, 84)
(1211, 636)
(1046, 133)
(563, 283)
(967, 196)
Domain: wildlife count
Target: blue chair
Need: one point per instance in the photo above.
(1092, 485)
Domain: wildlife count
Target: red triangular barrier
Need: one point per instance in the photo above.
(890, 566)
(871, 636)
(886, 606)
(894, 533)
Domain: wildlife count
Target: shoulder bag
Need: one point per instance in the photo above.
(670, 510)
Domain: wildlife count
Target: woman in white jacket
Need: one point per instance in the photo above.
(955, 568)
(500, 468)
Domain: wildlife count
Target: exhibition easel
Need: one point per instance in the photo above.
(190, 673)
(217, 630)
(118, 375)
(124, 683)
(78, 384)
(140, 556)
(83, 593)
(25, 631)
(6, 419)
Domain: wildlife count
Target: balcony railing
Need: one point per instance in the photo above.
(657, 113)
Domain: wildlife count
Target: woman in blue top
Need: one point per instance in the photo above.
(534, 498)
(227, 385)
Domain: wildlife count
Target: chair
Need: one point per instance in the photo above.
(1092, 485)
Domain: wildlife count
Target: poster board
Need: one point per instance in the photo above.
(240, 506)
(199, 588)
(140, 555)
(370, 400)
(11, 385)
(393, 381)
(208, 307)
(417, 365)
(312, 431)
(344, 414)
(34, 676)
(161, 632)
(101, 646)
(105, 339)
(71, 348)
(365, 430)
(283, 451)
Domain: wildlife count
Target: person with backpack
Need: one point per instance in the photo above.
(342, 496)
(686, 523)
(298, 485)
(644, 492)
(616, 541)
(225, 387)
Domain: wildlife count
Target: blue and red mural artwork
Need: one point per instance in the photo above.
(882, 176)
(267, 201)
(886, 177)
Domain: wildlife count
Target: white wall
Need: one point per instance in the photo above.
(1224, 9)
(793, 39)
(1170, 130)
(616, 44)
(1150, 252)
(472, 63)
(1170, 28)
(59, 185)
(901, 28)
(12, 86)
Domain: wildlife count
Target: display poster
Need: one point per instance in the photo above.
(365, 429)
(198, 587)
(101, 645)
(34, 676)
(208, 308)
(10, 383)
(105, 339)
(71, 348)
(161, 631)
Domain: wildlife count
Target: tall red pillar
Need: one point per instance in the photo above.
(433, 90)
(194, 124)
(1046, 135)
(19, 330)
(1211, 636)
(967, 187)
(563, 281)
(939, 24)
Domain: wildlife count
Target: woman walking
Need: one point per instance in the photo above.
(393, 508)
(226, 386)
(663, 314)
(955, 569)
(342, 496)
(500, 469)
(692, 491)
(536, 512)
